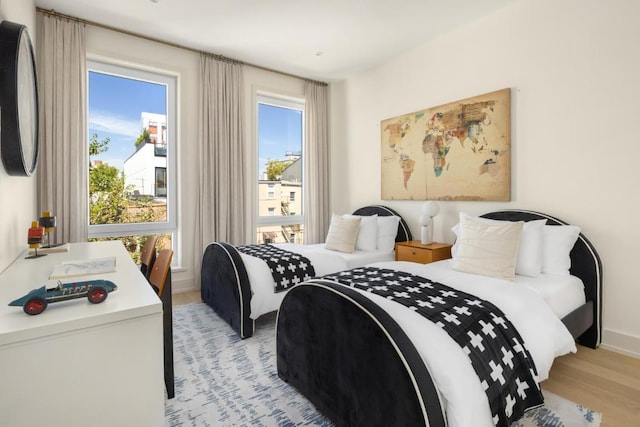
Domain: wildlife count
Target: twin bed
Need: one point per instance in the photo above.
(240, 287)
(365, 359)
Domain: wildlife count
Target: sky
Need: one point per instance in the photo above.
(115, 104)
(279, 131)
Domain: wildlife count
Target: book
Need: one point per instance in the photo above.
(63, 247)
(84, 267)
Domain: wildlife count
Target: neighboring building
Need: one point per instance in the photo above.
(282, 198)
(146, 169)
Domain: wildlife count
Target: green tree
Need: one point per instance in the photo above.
(108, 201)
(274, 168)
(96, 147)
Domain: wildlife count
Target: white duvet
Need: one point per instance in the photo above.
(265, 300)
(462, 396)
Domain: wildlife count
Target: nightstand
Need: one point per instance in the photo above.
(415, 251)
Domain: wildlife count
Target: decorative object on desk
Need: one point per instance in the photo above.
(84, 267)
(36, 301)
(34, 239)
(60, 247)
(429, 210)
(19, 100)
(47, 221)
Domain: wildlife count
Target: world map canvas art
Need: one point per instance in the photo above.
(457, 151)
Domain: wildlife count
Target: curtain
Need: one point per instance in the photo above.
(221, 212)
(316, 163)
(63, 164)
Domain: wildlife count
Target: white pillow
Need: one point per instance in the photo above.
(488, 249)
(529, 261)
(387, 232)
(558, 240)
(342, 234)
(367, 239)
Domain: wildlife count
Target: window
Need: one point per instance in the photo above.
(280, 130)
(132, 155)
(161, 182)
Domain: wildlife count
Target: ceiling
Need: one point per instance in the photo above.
(326, 40)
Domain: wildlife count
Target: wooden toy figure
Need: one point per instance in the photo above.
(34, 239)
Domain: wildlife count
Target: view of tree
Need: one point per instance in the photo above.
(274, 168)
(96, 147)
(109, 201)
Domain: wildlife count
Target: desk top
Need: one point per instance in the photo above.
(133, 298)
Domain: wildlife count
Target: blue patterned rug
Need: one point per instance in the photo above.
(222, 381)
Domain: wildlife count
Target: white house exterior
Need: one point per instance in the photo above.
(145, 170)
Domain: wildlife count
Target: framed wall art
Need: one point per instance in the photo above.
(457, 151)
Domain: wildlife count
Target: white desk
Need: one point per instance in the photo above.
(77, 363)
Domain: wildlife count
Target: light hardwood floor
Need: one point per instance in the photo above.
(602, 380)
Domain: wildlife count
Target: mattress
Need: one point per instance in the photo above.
(265, 300)
(460, 390)
(563, 293)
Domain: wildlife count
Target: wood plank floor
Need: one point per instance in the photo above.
(602, 380)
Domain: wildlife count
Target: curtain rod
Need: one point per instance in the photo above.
(52, 12)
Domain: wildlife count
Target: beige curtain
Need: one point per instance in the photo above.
(220, 214)
(316, 163)
(63, 164)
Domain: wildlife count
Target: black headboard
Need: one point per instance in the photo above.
(404, 233)
(585, 264)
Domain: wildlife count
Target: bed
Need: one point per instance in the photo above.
(239, 287)
(360, 362)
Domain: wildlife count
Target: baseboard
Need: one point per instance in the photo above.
(179, 285)
(621, 343)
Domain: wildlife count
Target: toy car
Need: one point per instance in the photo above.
(36, 301)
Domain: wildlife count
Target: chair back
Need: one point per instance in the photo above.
(147, 255)
(160, 270)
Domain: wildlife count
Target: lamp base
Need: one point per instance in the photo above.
(426, 235)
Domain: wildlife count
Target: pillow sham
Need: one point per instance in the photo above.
(488, 249)
(530, 253)
(387, 231)
(558, 241)
(367, 239)
(342, 234)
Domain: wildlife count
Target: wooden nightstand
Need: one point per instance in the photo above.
(415, 251)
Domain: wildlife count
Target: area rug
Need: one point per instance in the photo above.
(222, 381)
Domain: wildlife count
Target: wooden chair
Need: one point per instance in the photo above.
(148, 255)
(160, 270)
(160, 279)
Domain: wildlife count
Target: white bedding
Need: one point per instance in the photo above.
(265, 300)
(463, 398)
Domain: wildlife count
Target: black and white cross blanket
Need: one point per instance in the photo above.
(494, 346)
(287, 268)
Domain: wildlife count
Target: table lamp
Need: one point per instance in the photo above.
(429, 210)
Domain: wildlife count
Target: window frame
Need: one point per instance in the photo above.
(293, 104)
(170, 226)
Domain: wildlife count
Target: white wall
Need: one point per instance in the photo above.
(573, 69)
(17, 194)
(110, 46)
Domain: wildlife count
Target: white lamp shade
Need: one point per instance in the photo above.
(430, 208)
